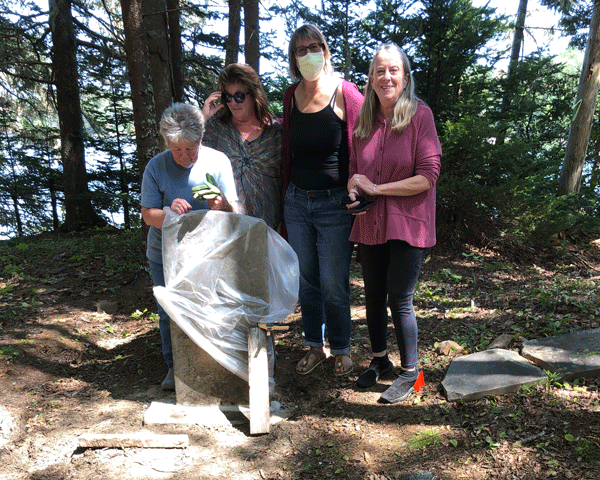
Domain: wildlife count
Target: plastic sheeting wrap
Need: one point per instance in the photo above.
(224, 273)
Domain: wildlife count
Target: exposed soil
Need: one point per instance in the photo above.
(67, 369)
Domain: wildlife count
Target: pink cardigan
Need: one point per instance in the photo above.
(385, 156)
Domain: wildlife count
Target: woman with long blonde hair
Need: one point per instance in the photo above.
(395, 161)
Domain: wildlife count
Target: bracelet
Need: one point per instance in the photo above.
(374, 187)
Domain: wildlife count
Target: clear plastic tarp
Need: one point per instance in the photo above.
(225, 273)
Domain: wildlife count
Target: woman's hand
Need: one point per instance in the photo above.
(180, 206)
(212, 105)
(353, 195)
(219, 203)
(361, 183)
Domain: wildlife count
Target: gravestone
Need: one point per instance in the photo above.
(224, 274)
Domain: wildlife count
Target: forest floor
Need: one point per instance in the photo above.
(66, 369)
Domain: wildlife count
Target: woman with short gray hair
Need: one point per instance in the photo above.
(167, 182)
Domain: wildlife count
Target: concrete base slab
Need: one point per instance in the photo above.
(491, 372)
(573, 355)
(166, 413)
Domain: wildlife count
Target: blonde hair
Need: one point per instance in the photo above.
(310, 32)
(405, 107)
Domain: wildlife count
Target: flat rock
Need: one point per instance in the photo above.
(491, 372)
(572, 355)
(165, 413)
(137, 439)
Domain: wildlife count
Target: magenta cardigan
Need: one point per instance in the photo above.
(386, 156)
(352, 99)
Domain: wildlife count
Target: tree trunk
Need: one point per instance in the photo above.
(123, 184)
(514, 61)
(347, 52)
(140, 81)
(156, 25)
(518, 38)
(176, 48)
(585, 106)
(251, 32)
(15, 200)
(233, 37)
(79, 213)
(53, 201)
(52, 180)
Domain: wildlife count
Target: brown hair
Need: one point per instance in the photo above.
(247, 77)
(311, 32)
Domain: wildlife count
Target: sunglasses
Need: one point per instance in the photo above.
(239, 97)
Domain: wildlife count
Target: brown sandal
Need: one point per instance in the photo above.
(310, 361)
(343, 365)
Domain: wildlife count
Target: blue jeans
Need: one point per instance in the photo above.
(318, 231)
(390, 271)
(164, 322)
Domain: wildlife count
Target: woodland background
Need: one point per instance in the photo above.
(82, 84)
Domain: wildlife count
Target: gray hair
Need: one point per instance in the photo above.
(311, 32)
(182, 122)
(406, 106)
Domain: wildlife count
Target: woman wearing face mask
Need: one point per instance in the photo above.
(318, 116)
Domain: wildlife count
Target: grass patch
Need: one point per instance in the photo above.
(425, 439)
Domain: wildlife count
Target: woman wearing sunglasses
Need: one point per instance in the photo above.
(241, 125)
(318, 116)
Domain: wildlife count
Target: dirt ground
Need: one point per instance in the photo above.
(66, 370)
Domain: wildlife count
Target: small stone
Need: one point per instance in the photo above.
(107, 306)
(503, 341)
(449, 348)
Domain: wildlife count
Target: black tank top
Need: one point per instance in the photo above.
(319, 143)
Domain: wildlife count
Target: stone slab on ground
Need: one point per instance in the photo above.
(165, 413)
(491, 372)
(137, 439)
(572, 355)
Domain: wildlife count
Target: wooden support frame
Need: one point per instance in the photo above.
(258, 381)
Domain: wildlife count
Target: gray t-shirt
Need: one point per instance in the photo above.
(165, 180)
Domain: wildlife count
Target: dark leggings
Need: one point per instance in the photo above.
(390, 271)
